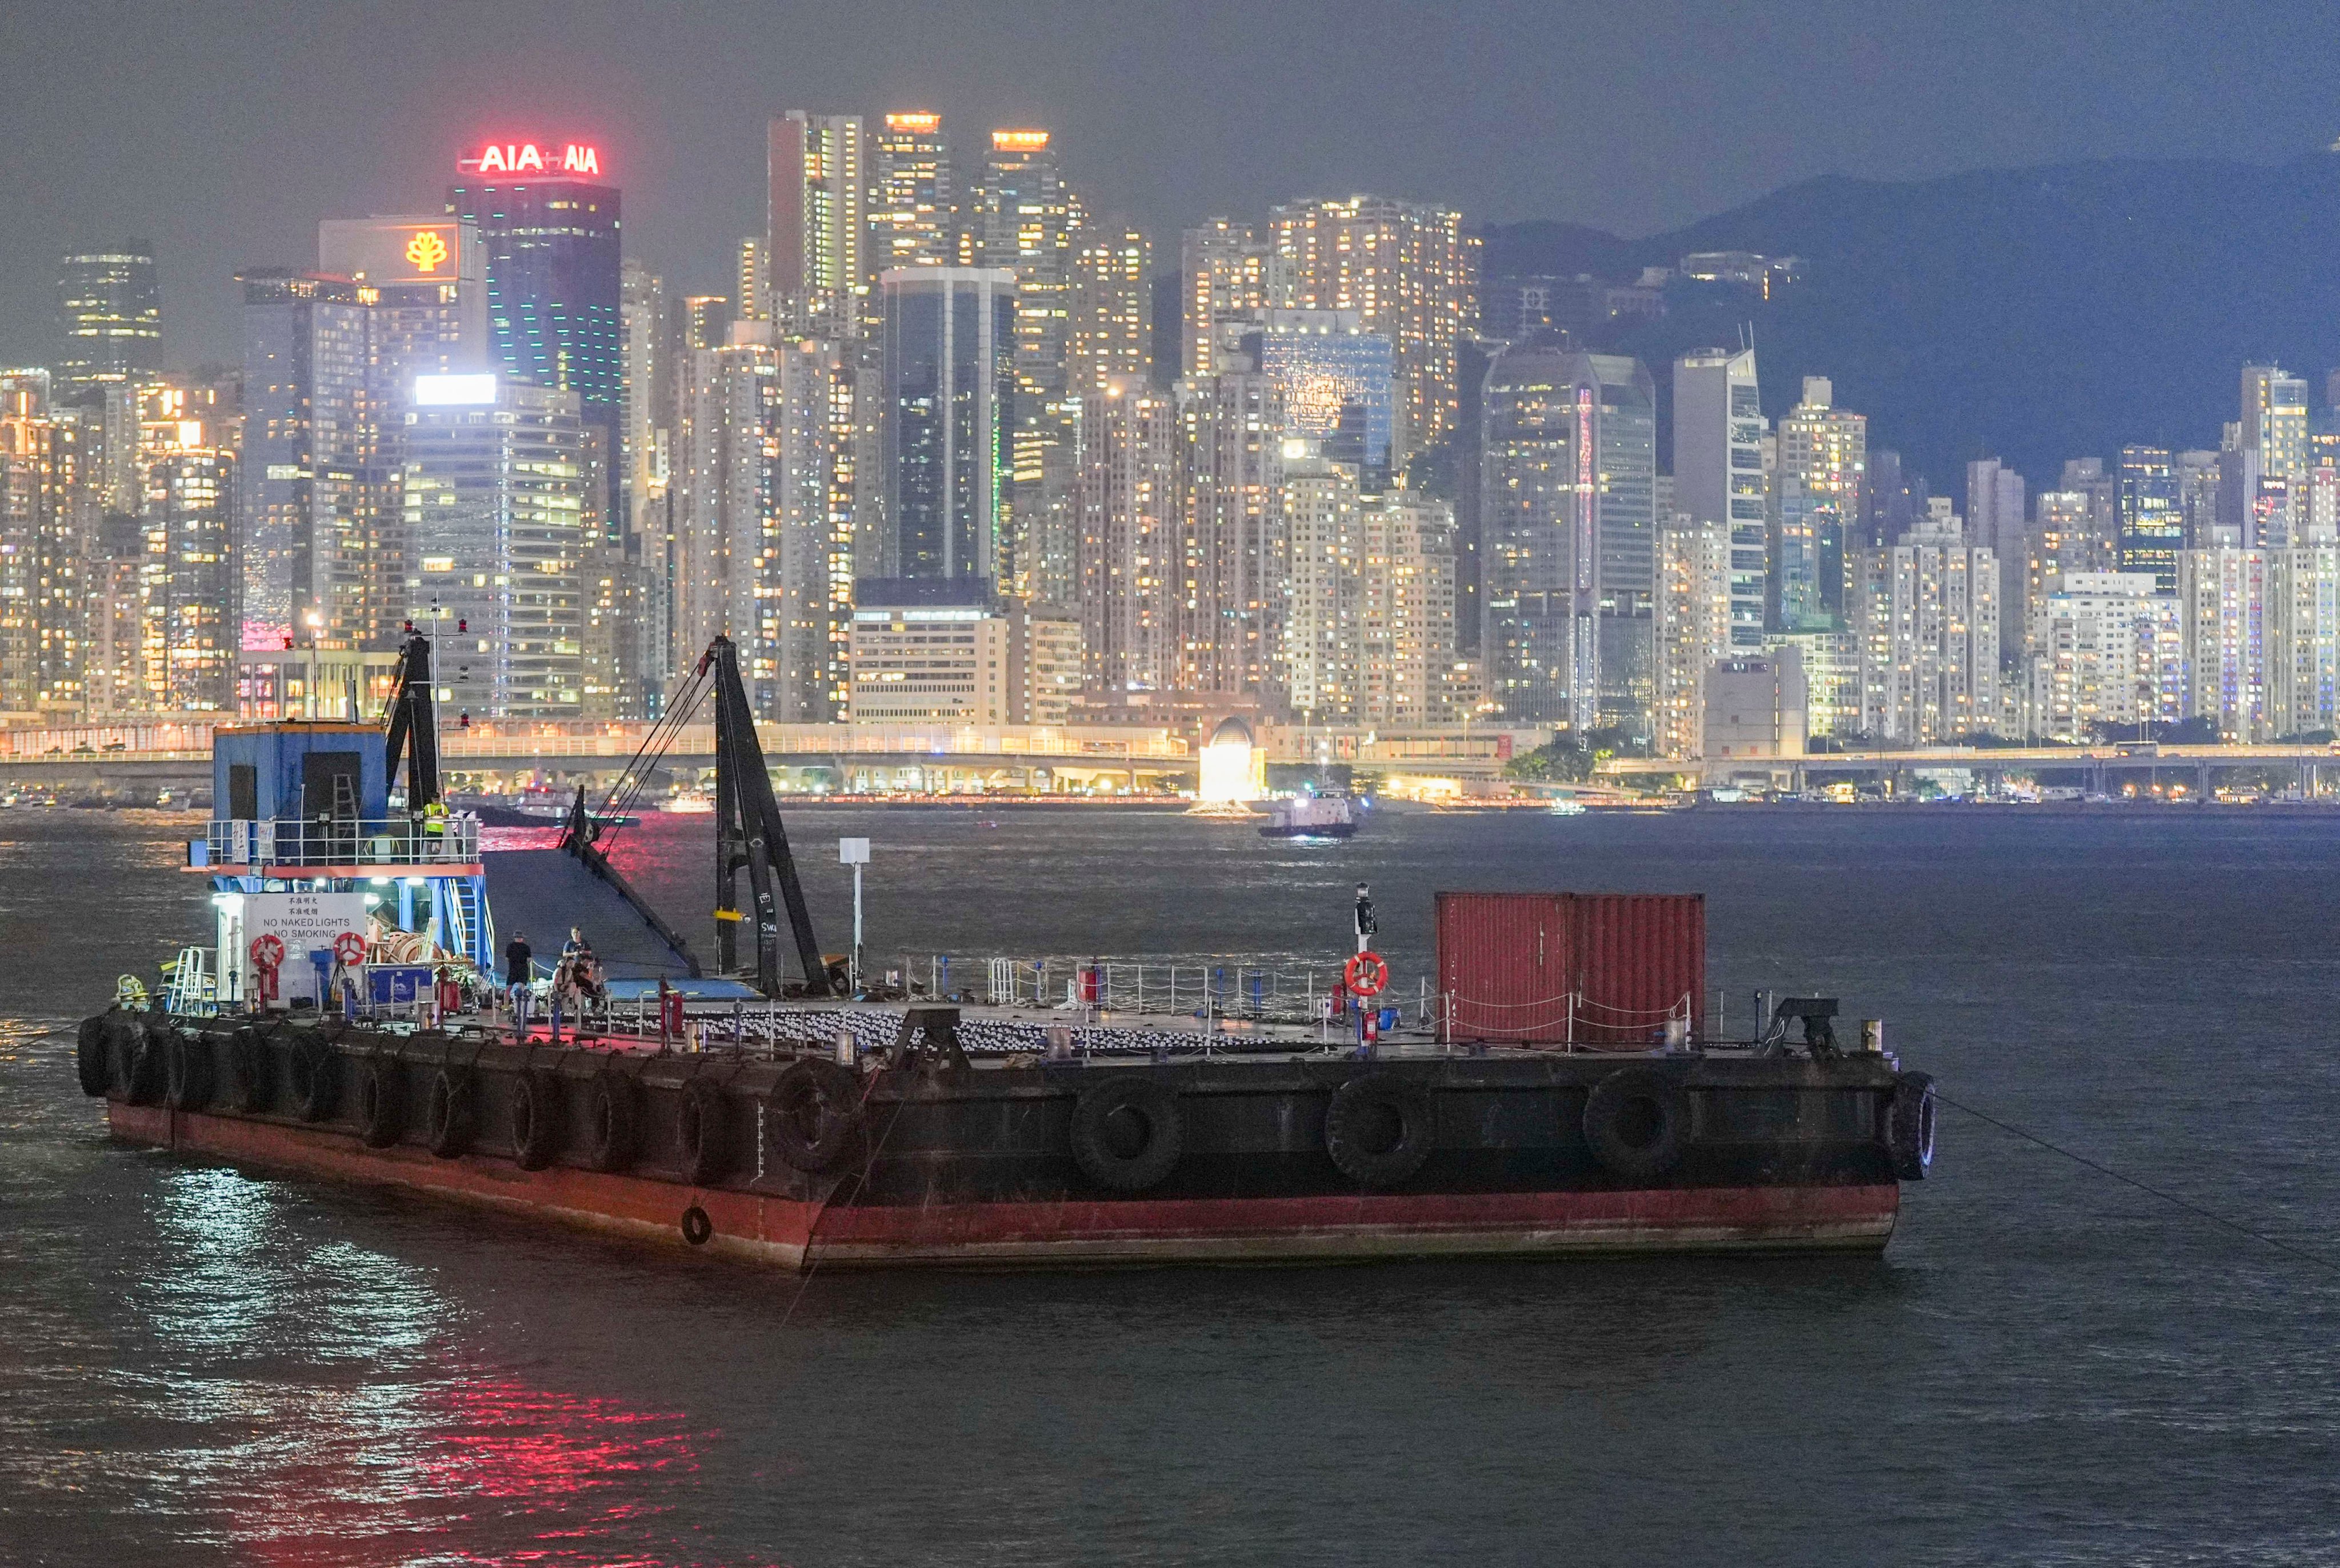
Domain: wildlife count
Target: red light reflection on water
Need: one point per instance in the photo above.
(489, 1471)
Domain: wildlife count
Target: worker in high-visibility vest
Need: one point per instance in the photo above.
(434, 820)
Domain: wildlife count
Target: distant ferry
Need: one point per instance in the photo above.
(1311, 816)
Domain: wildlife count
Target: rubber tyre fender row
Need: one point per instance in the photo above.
(1909, 1126)
(814, 1117)
(92, 1064)
(150, 1063)
(538, 1119)
(1380, 1129)
(1129, 1133)
(448, 1114)
(381, 1102)
(190, 1070)
(254, 1064)
(315, 1076)
(704, 1131)
(1637, 1122)
(133, 1067)
(612, 1120)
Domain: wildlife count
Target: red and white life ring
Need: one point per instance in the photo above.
(268, 950)
(1368, 974)
(350, 947)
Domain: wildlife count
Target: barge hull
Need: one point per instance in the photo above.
(795, 1234)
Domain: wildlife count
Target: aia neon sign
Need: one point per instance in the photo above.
(528, 158)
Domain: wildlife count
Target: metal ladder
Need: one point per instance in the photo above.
(193, 989)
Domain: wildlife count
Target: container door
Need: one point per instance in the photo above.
(1642, 960)
(1506, 965)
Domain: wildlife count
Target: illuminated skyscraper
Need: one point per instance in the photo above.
(1339, 380)
(1718, 473)
(2223, 598)
(1407, 271)
(2152, 520)
(948, 409)
(1926, 614)
(1129, 599)
(815, 222)
(1567, 499)
(1111, 325)
(911, 196)
(495, 487)
(547, 231)
(1230, 274)
(319, 560)
(1231, 568)
(1022, 220)
(2275, 420)
(1691, 628)
(110, 302)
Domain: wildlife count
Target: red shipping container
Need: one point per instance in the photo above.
(1601, 969)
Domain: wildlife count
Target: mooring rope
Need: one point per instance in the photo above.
(2168, 1197)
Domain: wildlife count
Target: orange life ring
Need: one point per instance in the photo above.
(350, 947)
(268, 950)
(1368, 974)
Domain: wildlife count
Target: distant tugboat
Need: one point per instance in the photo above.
(1311, 816)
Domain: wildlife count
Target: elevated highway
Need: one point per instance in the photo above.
(2100, 768)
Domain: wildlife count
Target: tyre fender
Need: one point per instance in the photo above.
(91, 1063)
(1909, 1126)
(611, 1119)
(814, 1116)
(316, 1079)
(1129, 1133)
(255, 1070)
(192, 1070)
(539, 1120)
(149, 1077)
(1637, 1122)
(705, 1129)
(447, 1115)
(1380, 1129)
(381, 1102)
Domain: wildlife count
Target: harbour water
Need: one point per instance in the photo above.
(201, 1367)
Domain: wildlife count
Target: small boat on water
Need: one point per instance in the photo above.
(1313, 817)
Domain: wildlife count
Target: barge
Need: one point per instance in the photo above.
(1558, 1092)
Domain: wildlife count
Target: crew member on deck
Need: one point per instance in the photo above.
(517, 954)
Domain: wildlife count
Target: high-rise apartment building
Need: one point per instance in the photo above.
(2275, 420)
(1339, 380)
(1691, 620)
(948, 418)
(926, 649)
(1230, 273)
(1719, 475)
(1131, 595)
(1824, 450)
(494, 491)
(1324, 584)
(1407, 271)
(2303, 639)
(1405, 609)
(1232, 570)
(40, 556)
(911, 200)
(1926, 612)
(817, 221)
(190, 507)
(2223, 598)
(548, 227)
(1023, 220)
(2111, 658)
(646, 656)
(1111, 330)
(321, 559)
(1567, 500)
(110, 303)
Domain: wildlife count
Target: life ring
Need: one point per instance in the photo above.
(705, 1132)
(537, 1104)
(1909, 1126)
(814, 1115)
(350, 947)
(447, 1115)
(1636, 1121)
(610, 1121)
(90, 1062)
(188, 1071)
(382, 1103)
(1127, 1133)
(1379, 1129)
(268, 950)
(1368, 974)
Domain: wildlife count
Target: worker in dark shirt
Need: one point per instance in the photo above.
(518, 982)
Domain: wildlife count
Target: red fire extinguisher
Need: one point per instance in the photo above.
(669, 1012)
(450, 995)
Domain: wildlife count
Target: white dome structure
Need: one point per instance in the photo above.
(1230, 765)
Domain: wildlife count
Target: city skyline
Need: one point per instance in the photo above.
(1536, 128)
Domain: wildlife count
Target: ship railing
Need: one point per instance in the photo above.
(411, 840)
(1272, 987)
(1568, 1021)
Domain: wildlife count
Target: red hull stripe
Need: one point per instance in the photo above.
(1268, 1229)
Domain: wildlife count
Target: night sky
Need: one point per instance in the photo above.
(224, 131)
